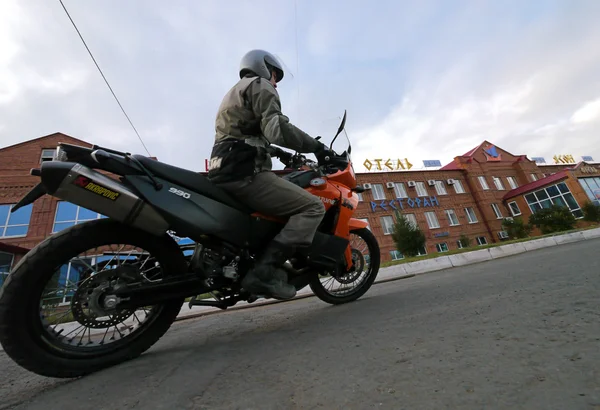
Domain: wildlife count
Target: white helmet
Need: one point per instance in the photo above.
(261, 63)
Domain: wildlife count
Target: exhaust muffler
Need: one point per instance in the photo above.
(90, 189)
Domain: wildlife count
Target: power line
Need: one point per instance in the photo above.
(105, 80)
(297, 62)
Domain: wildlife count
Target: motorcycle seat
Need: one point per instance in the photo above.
(191, 180)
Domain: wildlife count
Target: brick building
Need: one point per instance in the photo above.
(470, 196)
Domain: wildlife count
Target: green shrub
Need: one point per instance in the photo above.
(516, 229)
(554, 219)
(407, 237)
(465, 241)
(591, 212)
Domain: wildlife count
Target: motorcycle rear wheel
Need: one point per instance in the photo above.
(25, 333)
(369, 250)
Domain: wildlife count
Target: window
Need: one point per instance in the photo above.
(15, 224)
(496, 209)
(440, 188)
(558, 194)
(442, 247)
(400, 190)
(360, 196)
(387, 223)
(459, 244)
(68, 214)
(533, 177)
(512, 181)
(498, 183)
(483, 183)
(411, 218)
(48, 155)
(471, 215)
(367, 221)
(458, 188)
(591, 186)
(6, 261)
(396, 255)
(421, 190)
(481, 240)
(452, 218)
(378, 193)
(432, 220)
(514, 208)
(422, 251)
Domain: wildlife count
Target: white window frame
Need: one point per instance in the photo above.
(512, 211)
(471, 221)
(458, 183)
(550, 197)
(75, 221)
(498, 183)
(360, 196)
(435, 220)
(512, 181)
(400, 190)
(411, 218)
(438, 247)
(375, 191)
(459, 244)
(394, 254)
(497, 211)
(421, 189)
(4, 224)
(47, 154)
(440, 188)
(450, 221)
(533, 177)
(384, 226)
(481, 242)
(483, 183)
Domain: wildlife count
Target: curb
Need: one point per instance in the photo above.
(411, 269)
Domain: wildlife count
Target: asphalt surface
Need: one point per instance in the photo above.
(516, 333)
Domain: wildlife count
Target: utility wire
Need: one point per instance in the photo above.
(105, 80)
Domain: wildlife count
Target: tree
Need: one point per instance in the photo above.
(465, 241)
(516, 228)
(591, 212)
(409, 239)
(554, 219)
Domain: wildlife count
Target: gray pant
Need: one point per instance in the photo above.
(269, 194)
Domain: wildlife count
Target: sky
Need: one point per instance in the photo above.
(421, 79)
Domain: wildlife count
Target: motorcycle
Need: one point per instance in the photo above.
(104, 291)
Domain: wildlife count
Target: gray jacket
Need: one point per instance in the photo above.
(251, 111)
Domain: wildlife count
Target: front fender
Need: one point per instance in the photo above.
(357, 224)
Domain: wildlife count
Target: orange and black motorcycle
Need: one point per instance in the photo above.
(104, 291)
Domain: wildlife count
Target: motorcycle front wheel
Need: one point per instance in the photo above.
(57, 318)
(354, 284)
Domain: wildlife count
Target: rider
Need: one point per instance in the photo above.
(248, 121)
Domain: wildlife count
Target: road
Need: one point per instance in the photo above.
(516, 333)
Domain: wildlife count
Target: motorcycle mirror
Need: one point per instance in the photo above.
(340, 129)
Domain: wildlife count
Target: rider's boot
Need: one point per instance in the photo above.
(268, 277)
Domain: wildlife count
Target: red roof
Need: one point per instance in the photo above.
(536, 184)
(470, 153)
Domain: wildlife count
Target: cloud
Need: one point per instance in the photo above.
(420, 79)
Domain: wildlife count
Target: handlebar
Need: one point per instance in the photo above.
(298, 160)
